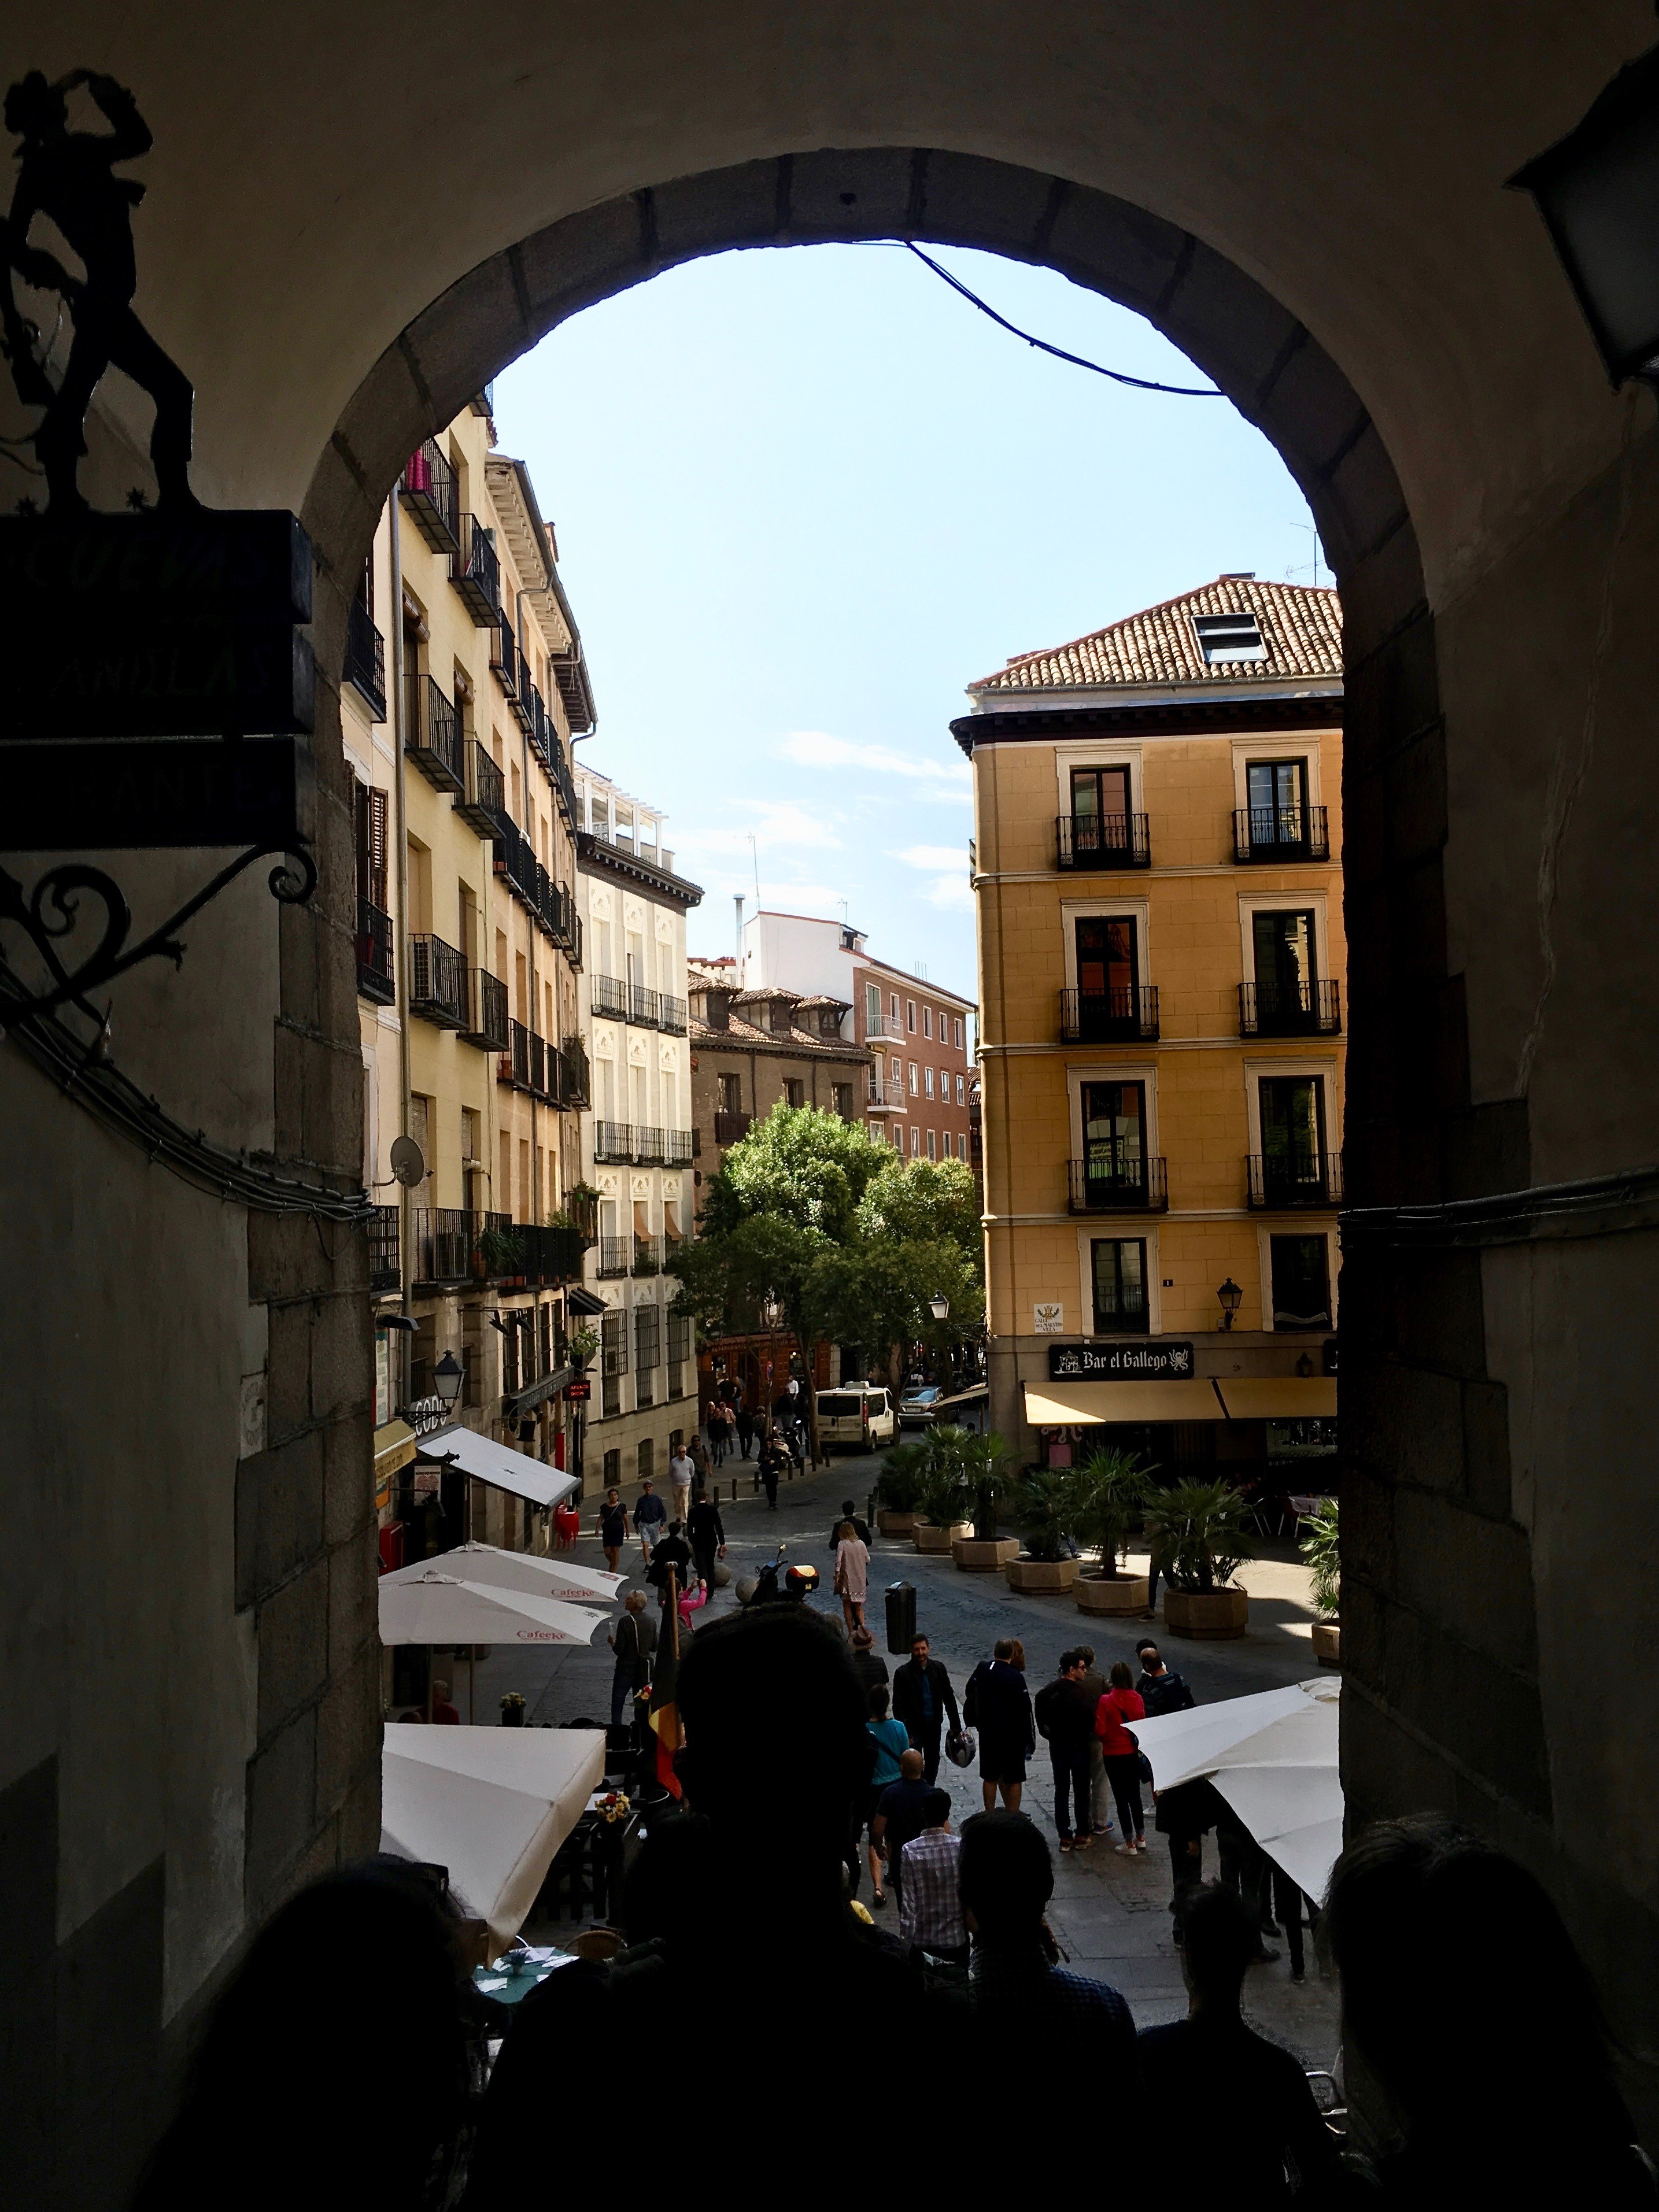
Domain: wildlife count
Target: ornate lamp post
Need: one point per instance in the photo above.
(1231, 1299)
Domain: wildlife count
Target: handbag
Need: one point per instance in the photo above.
(1143, 1765)
(959, 1747)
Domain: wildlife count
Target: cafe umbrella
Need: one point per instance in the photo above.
(517, 1570)
(435, 1608)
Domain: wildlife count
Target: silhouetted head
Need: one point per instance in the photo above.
(699, 1495)
(1003, 1648)
(35, 109)
(1005, 1875)
(674, 1528)
(879, 1701)
(1120, 1678)
(1219, 1939)
(912, 1766)
(936, 1808)
(848, 1508)
(612, 1497)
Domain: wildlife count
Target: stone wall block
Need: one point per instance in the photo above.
(281, 1809)
(1382, 590)
(342, 1351)
(477, 319)
(349, 1475)
(353, 1600)
(736, 207)
(1111, 245)
(287, 1093)
(1416, 920)
(297, 934)
(1411, 1421)
(1384, 1768)
(1414, 782)
(1367, 1517)
(293, 1637)
(1489, 1150)
(1237, 331)
(358, 464)
(1471, 1575)
(285, 1259)
(1311, 414)
(878, 180)
(1440, 1314)
(1365, 487)
(1364, 851)
(287, 1399)
(359, 1815)
(989, 204)
(587, 257)
(279, 1515)
(347, 1734)
(1486, 1449)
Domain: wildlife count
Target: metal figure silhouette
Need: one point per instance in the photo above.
(69, 177)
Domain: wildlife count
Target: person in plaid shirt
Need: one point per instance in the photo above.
(930, 1909)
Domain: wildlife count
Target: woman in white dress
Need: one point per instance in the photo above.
(852, 1574)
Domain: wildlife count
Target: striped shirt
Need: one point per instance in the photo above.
(930, 1908)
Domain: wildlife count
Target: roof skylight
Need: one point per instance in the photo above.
(1223, 638)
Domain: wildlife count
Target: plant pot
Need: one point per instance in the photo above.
(892, 1522)
(980, 1556)
(1209, 1615)
(1327, 1642)
(1119, 1594)
(928, 1538)
(1041, 1575)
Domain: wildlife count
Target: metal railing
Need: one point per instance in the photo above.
(1280, 833)
(578, 1079)
(607, 995)
(613, 1141)
(616, 1257)
(500, 1249)
(1289, 1009)
(1126, 1316)
(1115, 1185)
(883, 1093)
(365, 660)
(429, 491)
(731, 1125)
(1282, 1181)
(376, 978)
(384, 1271)
(670, 1014)
(486, 1022)
(1103, 1016)
(879, 1025)
(679, 1147)
(444, 1238)
(432, 733)
(475, 571)
(644, 1007)
(504, 653)
(650, 1145)
(483, 795)
(1103, 841)
(526, 1059)
(514, 863)
(437, 983)
(552, 1253)
(648, 1256)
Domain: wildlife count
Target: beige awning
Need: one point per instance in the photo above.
(1235, 1397)
(394, 1446)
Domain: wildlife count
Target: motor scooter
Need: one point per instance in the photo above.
(779, 1583)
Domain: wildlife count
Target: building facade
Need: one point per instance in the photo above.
(464, 689)
(637, 1135)
(1162, 964)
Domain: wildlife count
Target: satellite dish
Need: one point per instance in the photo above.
(408, 1160)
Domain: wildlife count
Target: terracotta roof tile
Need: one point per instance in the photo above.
(744, 1036)
(1301, 627)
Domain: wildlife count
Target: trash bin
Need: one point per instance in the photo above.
(901, 1617)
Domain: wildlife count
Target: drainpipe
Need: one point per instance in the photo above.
(537, 1196)
(399, 718)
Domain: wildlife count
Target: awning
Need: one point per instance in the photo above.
(394, 1446)
(537, 1392)
(492, 1805)
(432, 1607)
(486, 1460)
(579, 1301)
(1235, 1397)
(541, 1575)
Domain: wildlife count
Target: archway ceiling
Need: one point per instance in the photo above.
(321, 173)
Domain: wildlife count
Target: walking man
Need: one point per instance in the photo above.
(1160, 1691)
(1100, 1789)
(773, 1458)
(649, 1516)
(613, 1527)
(930, 1902)
(922, 1696)
(745, 1421)
(634, 1642)
(681, 1472)
(672, 1554)
(706, 1532)
(1066, 1716)
(900, 1816)
(998, 1704)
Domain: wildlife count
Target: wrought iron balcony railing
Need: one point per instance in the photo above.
(677, 1148)
(650, 1145)
(430, 495)
(578, 1077)
(486, 1022)
(432, 733)
(643, 1007)
(648, 1256)
(483, 795)
(552, 1253)
(525, 1064)
(514, 862)
(731, 1126)
(606, 995)
(613, 1141)
(437, 983)
(1119, 1186)
(1102, 841)
(1281, 1181)
(1125, 1316)
(1280, 833)
(1289, 1009)
(365, 660)
(671, 1015)
(504, 653)
(616, 1257)
(475, 572)
(1124, 1015)
(384, 1271)
(445, 1239)
(376, 978)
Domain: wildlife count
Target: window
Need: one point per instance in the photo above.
(613, 1362)
(928, 1021)
(1119, 1285)
(648, 1346)
(731, 1094)
(958, 1034)
(962, 1090)
(647, 1459)
(794, 1090)
(1108, 975)
(872, 1010)
(612, 1476)
(944, 1084)
(372, 846)
(842, 1093)
(915, 1143)
(932, 1146)
(1301, 1282)
(680, 1351)
(1223, 638)
(1292, 1128)
(1282, 946)
(897, 1134)
(914, 1078)
(1277, 791)
(1100, 811)
(510, 1363)
(928, 1080)
(910, 1015)
(896, 1075)
(892, 1007)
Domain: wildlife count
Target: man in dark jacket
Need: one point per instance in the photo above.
(998, 1704)
(922, 1696)
(1160, 1691)
(871, 1666)
(1066, 1716)
(673, 1553)
(860, 1526)
(707, 1534)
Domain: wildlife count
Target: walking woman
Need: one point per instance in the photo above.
(745, 1426)
(1122, 1756)
(852, 1574)
(716, 1424)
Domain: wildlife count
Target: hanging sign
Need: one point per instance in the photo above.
(1144, 1360)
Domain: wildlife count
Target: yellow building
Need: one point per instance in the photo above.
(1162, 963)
(464, 685)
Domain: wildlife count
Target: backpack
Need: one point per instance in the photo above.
(1171, 1695)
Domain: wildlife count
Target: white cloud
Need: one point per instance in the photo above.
(950, 892)
(773, 822)
(934, 857)
(819, 749)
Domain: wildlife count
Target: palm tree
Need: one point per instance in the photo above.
(1111, 1489)
(1321, 1550)
(1198, 1534)
(984, 1470)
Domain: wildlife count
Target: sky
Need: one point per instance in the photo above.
(804, 496)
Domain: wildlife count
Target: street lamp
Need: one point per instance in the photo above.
(1231, 1299)
(447, 1377)
(939, 1308)
(1597, 190)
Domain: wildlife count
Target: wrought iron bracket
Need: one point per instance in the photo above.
(51, 915)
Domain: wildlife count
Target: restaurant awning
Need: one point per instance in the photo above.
(492, 1805)
(1224, 1398)
(394, 1446)
(486, 1460)
(434, 1607)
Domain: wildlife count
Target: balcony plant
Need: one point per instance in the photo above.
(500, 1252)
(581, 1346)
(1198, 1537)
(1320, 1549)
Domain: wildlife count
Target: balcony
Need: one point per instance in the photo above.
(613, 1141)
(524, 1064)
(648, 1256)
(552, 1253)
(499, 1255)
(578, 1079)
(437, 983)
(514, 862)
(1282, 1181)
(486, 1023)
(476, 573)
(680, 1146)
(1289, 1009)
(1125, 1186)
(384, 1272)
(540, 897)
(483, 795)
(651, 1145)
(730, 1127)
(365, 660)
(523, 697)
(430, 499)
(445, 1239)
(671, 1015)
(504, 653)
(879, 1025)
(539, 724)
(883, 1095)
(608, 996)
(375, 978)
(616, 1257)
(564, 917)
(1103, 842)
(1128, 1318)
(1282, 834)
(643, 1007)
(432, 733)
(1120, 1017)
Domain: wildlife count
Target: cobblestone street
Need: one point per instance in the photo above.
(1110, 1914)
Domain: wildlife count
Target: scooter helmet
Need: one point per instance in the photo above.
(801, 1582)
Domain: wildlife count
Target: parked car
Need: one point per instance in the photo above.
(919, 1407)
(859, 1417)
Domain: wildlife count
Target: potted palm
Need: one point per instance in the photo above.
(941, 1505)
(989, 1475)
(1198, 1536)
(1320, 1549)
(899, 1488)
(1045, 1510)
(1111, 1499)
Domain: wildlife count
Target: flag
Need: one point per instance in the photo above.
(665, 1684)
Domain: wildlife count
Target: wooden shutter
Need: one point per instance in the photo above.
(372, 846)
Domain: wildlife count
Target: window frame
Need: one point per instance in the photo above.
(1148, 1242)
(1264, 1235)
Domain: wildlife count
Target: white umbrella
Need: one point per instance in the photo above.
(517, 1570)
(440, 1608)
(1274, 1758)
(491, 1804)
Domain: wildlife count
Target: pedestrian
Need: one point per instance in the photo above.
(1245, 1869)
(1238, 2105)
(869, 1665)
(899, 1817)
(632, 1642)
(1064, 1716)
(852, 1575)
(930, 1899)
(706, 1533)
(441, 1708)
(1288, 1901)
(715, 1425)
(567, 1526)
(1122, 1756)
(1182, 1816)
(1031, 2009)
(745, 1421)
(1100, 1789)
(922, 1696)
(613, 1527)
(891, 1744)
(670, 1559)
(860, 1526)
(681, 1472)
(650, 1515)
(998, 1704)
(773, 1460)
(1158, 1690)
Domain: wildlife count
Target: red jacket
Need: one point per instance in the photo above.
(1114, 1709)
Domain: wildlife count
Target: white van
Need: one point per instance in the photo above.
(859, 1417)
